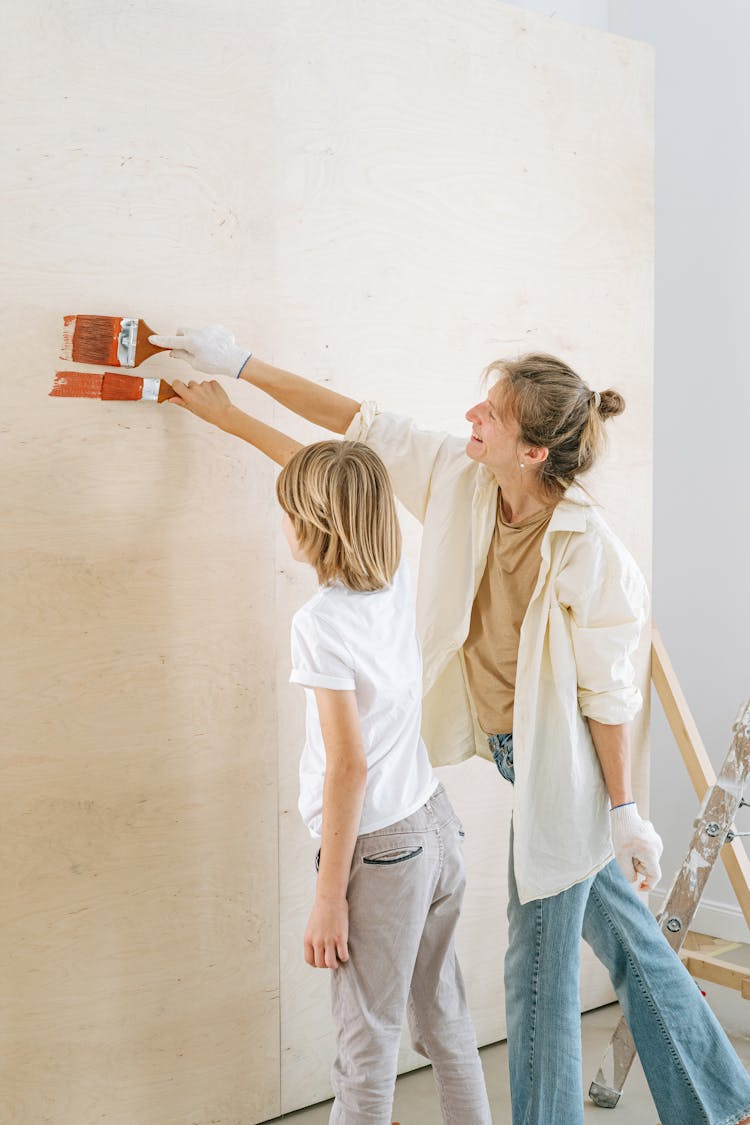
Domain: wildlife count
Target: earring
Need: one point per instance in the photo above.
(521, 465)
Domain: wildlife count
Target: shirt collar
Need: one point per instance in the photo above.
(570, 512)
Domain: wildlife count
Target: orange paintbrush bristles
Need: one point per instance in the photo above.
(77, 384)
(85, 336)
(118, 341)
(110, 386)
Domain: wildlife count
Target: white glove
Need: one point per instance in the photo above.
(211, 349)
(637, 847)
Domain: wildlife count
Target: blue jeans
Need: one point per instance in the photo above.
(692, 1070)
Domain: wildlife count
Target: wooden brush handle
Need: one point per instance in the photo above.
(143, 349)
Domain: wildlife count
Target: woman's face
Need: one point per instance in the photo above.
(494, 437)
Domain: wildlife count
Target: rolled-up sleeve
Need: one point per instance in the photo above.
(608, 609)
(319, 657)
(409, 453)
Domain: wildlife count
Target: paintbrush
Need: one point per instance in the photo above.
(109, 385)
(119, 341)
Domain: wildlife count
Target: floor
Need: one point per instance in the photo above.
(415, 1102)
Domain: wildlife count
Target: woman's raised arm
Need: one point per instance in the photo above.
(213, 351)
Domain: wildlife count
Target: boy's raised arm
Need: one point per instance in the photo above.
(213, 351)
(210, 402)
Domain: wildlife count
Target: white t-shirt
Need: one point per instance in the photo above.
(366, 643)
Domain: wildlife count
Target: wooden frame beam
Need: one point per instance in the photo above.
(718, 972)
(697, 761)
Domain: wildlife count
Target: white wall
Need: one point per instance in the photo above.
(701, 384)
(701, 530)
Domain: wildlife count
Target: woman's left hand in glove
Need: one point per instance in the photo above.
(637, 846)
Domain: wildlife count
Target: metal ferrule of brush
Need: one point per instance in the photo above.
(150, 390)
(126, 342)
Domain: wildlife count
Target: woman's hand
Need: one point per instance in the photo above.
(327, 934)
(637, 847)
(208, 401)
(211, 350)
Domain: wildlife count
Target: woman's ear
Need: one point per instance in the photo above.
(536, 454)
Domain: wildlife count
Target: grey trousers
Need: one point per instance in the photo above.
(405, 890)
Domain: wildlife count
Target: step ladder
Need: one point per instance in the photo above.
(714, 835)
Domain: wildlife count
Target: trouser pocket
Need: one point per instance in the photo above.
(392, 855)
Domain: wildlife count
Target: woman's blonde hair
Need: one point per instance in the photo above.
(339, 498)
(554, 408)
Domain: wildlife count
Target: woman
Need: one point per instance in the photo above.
(529, 609)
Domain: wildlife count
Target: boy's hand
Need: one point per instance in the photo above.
(208, 401)
(327, 934)
(211, 350)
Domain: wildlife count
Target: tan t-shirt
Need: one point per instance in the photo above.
(491, 648)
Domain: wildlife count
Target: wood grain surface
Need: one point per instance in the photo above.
(386, 198)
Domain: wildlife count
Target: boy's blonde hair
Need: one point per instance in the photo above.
(339, 498)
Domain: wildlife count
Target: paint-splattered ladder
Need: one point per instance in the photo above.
(713, 836)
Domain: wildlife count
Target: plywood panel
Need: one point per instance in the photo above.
(385, 197)
(139, 967)
(461, 183)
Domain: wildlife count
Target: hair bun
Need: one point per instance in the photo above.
(612, 403)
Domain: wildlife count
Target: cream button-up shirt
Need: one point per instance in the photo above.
(578, 636)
